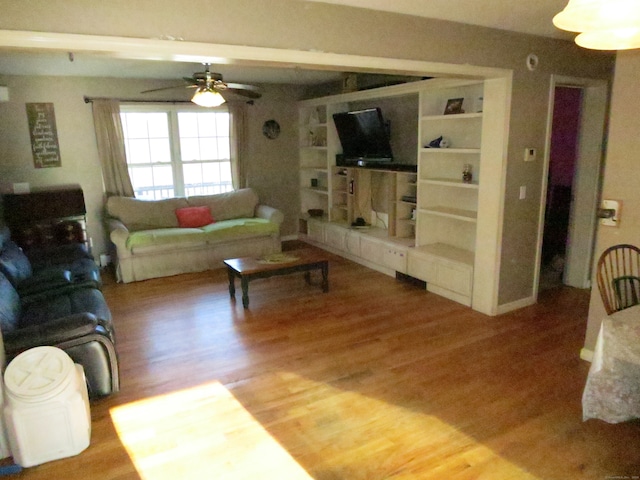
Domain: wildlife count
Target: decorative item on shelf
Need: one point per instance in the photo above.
(454, 106)
(312, 138)
(467, 173)
(351, 187)
(315, 212)
(314, 117)
(413, 214)
(314, 183)
(479, 104)
(440, 142)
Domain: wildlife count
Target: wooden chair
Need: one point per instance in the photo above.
(618, 276)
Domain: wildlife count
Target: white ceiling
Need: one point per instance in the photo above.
(532, 17)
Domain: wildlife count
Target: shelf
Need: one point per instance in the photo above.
(449, 151)
(448, 252)
(407, 221)
(459, 116)
(451, 212)
(315, 169)
(314, 147)
(403, 202)
(448, 182)
(320, 191)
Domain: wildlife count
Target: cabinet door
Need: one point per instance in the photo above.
(455, 277)
(353, 243)
(372, 250)
(423, 267)
(315, 231)
(396, 259)
(335, 237)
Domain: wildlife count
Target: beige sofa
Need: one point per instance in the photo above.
(148, 241)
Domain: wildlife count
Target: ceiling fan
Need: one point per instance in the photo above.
(211, 90)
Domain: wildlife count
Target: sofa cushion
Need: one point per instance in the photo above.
(83, 300)
(14, 264)
(178, 237)
(239, 228)
(9, 306)
(224, 206)
(194, 217)
(139, 214)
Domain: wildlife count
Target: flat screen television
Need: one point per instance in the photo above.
(364, 135)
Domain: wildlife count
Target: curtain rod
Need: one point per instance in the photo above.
(133, 100)
(137, 100)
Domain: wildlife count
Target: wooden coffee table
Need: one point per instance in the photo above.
(250, 268)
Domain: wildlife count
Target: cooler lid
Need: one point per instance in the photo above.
(38, 372)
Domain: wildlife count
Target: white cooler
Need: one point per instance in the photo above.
(47, 406)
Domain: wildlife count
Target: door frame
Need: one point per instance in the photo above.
(586, 186)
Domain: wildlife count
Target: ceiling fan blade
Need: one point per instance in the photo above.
(165, 88)
(245, 90)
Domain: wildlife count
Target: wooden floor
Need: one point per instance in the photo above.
(376, 379)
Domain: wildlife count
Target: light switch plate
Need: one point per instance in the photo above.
(615, 219)
(529, 154)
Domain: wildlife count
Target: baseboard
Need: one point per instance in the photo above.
(586, 354)
(509, 307)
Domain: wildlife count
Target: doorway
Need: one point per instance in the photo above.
(560, 175)
(571, 181)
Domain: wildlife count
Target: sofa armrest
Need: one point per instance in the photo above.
(51, 333)
(269, 213)
(119, 233)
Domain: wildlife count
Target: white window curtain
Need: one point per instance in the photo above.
(111, 152)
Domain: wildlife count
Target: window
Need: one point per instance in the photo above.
(177, 150)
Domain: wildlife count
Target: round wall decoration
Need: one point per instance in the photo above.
(271, 129)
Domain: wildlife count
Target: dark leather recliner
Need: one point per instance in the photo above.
(64, 268)
(77, 321)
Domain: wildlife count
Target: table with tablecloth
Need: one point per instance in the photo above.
(612, 390)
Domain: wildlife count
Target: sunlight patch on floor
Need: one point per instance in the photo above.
(201, 432)
(360, 437)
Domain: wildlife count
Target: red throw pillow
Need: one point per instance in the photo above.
(194, 217)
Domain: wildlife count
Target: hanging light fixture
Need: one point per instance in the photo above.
(206, 96)
(603, 24)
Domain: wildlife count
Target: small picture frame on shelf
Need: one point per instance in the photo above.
(454, 106)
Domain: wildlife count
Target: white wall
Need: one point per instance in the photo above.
(621, 173)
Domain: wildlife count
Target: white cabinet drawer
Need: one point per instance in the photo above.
(455, 277)
(423, 267)
(440, 272)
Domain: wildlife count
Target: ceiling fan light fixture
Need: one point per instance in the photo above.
(604, 24)
(617, 39)
(207, 97)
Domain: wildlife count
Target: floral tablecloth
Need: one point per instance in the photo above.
(612, 390)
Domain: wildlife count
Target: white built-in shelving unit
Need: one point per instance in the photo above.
(430, 229)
